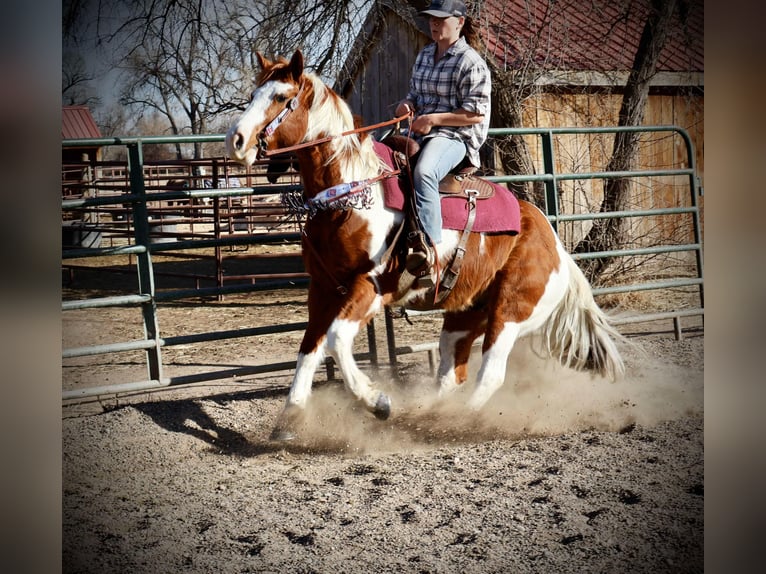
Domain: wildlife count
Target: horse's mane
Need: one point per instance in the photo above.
(330, 115)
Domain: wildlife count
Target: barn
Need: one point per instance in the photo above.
(78, 123)
(78, 174)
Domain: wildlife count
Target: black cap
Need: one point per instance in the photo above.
(444, 8)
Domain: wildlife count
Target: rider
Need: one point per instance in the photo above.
(449, 95)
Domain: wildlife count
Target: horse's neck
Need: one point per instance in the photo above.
(317, 171)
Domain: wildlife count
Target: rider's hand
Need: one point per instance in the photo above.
(403, 108)
(423, 124)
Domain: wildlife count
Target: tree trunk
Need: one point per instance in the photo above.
(607, 234)
(513, 150)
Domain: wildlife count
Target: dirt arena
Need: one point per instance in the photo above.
(561, 472)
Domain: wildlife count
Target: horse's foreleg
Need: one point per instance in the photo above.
(311, 354)
(305, 368)
(363, 303)
(310, 357)
(340, 339)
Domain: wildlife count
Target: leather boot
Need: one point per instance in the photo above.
(420, 255)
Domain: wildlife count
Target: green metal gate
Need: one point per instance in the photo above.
(147, 298)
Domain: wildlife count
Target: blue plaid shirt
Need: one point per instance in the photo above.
(460, 79)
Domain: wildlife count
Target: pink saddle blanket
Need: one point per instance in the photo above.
(499, 213)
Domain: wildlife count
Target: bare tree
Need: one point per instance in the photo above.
(177, 63)
(607, 233)
(77, 82)
(193, 62)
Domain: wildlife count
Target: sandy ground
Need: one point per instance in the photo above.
(561, 472)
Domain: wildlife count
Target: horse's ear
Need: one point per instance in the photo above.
(262, 62)
(296, 65)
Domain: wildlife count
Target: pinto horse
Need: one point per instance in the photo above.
(510, 284)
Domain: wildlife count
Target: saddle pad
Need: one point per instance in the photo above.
(392, 188)
(493, 214)
(499, 213)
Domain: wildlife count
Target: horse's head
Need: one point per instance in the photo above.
(277, 115)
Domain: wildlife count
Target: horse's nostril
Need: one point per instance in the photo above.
(238, 141)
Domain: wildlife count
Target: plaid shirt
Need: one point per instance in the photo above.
(460, 79)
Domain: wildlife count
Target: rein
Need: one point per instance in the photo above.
(311, 143)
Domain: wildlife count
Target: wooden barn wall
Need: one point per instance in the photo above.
(385, 78)
(586, 152)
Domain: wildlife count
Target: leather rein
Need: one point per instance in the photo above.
(263, 152)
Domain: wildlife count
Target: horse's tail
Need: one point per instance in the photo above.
(579, 333)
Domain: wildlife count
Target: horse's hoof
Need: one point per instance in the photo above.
(382, 408)
(289, 421)
(282, 435)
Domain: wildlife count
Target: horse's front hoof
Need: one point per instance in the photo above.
(288, 423)
(282, 435)
(382, 408)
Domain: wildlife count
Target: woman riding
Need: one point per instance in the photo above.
(449, 96)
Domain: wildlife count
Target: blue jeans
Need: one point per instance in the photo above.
(438, 155)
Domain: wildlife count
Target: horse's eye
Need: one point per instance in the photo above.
(281, 99)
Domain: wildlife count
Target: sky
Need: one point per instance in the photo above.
(106, 78)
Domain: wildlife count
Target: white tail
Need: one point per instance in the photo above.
(579, 333)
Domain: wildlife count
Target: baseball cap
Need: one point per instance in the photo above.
(444, 8)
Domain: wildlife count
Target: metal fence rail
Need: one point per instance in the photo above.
(142, 248)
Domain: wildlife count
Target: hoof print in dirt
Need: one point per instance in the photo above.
(301, 539)
(629, 497)
(579, 491)
(593, 514)
(360, 469)
(570, 539)
(408, 516)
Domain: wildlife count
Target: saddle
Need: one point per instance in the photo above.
(461, 181)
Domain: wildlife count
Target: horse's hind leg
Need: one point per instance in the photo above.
(497, 346)
(459, 331)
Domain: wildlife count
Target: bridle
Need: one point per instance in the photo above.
(272, 126)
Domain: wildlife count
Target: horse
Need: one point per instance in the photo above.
(510, 284)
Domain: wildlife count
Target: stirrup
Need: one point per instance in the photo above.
(420, 255)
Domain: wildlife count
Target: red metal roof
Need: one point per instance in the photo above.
(588, 35)
(76, 122)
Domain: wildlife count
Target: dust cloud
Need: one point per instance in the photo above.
(539, 398)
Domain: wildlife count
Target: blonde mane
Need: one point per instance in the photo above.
(330, 115)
